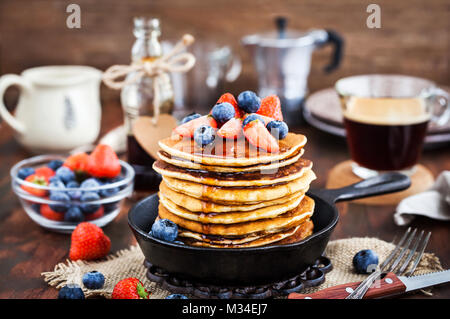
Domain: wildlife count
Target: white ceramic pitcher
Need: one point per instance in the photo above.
(58, 109)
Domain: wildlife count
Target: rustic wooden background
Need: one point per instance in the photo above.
(413, 39)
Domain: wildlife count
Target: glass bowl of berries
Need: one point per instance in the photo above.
(59, 192)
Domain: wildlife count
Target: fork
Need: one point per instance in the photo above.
(396, 262)
(401, 248)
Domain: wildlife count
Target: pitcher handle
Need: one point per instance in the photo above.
(5, 82)
(338, 43)
(443, 99)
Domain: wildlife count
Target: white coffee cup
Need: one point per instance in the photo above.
(59, 107)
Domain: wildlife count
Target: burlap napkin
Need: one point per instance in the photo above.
(129, 263)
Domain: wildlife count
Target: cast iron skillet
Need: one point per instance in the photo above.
(259, 265)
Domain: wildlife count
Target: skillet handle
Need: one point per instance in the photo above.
(378, 185)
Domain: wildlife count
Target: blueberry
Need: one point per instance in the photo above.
(90, 183)
(204, 135)
(36, 207)
(278, 129)
(190, 117)
(249, 101)
(252, 117)
(87, 197)
(109, 207)
(93, 280)
(71, 291)
(74, 214)
(223, 112)
(55, 164)
(24, 172)
(75, 194)
(176, 296)
(365, 261)
(65, 174)
(56, 183)
(164, 229)
(63, 200)
(108, 192)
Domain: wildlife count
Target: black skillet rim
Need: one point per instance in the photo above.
(234, 250)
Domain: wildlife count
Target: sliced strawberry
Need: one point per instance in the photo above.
(77, 162)
(257, 135)
(228, 97)
(188, 129)
(44, 171)
(49, 213)
(266, 119)
(271, 107)
(231, 129)
(38, 180)
(103, 162)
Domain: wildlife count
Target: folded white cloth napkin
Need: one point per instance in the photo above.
(434, 203)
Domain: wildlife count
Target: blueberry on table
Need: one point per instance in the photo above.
(176, 296)
(93, 280)
(252, 117)
(223, 112)
(249, 101)
(71, 291)
(65, 174)
(190, 117)
(365, 261)
(88, 197)
(55, 164)
(74, 214)
(24, 172)
(164, 229)
(278, 129)
(204, 135)
(63, 200)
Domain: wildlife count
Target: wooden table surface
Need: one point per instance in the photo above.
(26, 249)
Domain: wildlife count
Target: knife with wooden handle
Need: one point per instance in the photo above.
(388, 285)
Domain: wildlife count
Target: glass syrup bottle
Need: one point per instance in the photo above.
(137, 99)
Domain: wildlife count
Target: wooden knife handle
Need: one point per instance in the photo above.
(388, 285)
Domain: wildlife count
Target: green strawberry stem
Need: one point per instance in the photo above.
(141, 291)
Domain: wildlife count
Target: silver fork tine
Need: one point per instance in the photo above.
(411, 253)
(395, 250)
(403, 252)
(419, 255)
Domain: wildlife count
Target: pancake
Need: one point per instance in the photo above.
(281, 175)
(261, 241)
(166, 157)
(197, 205)
(231, 217)
(227, 152)
(247, 195)
(287, 220)
(305, 230)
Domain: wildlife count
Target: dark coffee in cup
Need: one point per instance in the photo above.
(385, 134)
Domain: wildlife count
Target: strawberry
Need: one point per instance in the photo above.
(49, 213)
(95, 215)
(77, 162)
(187, 129)
(44, 172)
(257, 135)
(228, 97)
(271, 107)
(38, 180)
(130, 288)
(231, 129)
(88, 242)
(103, 162)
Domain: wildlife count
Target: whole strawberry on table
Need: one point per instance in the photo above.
(75, 180)
(260, 121)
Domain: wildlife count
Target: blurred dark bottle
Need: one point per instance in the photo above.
(137, 99)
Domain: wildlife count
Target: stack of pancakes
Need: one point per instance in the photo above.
(234, 195)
